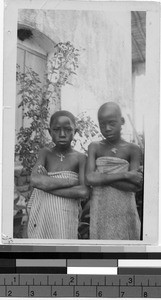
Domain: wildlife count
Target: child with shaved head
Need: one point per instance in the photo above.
(58, 181)
(112, 172)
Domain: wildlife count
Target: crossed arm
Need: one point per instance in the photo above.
(77, 191)
(126, 181)
(64, 187)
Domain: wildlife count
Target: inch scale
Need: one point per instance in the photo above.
(80, 286)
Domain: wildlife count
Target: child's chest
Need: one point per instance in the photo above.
(120, 151)
(60, 162)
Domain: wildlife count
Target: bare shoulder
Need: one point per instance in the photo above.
(81, 156)
(133, 149)
(94, 146)
(41, 160)
(44, 151)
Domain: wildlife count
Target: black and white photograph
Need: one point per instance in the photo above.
(85, 124)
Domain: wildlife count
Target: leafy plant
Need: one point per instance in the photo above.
(84, 220)
(87, 131)
(63, 63)
(35, 101)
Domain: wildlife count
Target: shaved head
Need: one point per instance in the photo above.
(62, 113)
(109, 106)
(110, 121)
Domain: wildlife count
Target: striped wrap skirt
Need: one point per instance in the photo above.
(53, 217)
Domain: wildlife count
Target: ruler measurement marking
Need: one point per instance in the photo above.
(97, 284)
(119, 288)
(82, 285)
(141, 290)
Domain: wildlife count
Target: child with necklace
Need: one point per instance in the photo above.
(58, 181)
(113, 173)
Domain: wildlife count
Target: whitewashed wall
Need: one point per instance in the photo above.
(104, 40)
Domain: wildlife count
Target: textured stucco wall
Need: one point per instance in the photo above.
(104, 39)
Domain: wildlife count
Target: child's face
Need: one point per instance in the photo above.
(110, 123)
(62, 131)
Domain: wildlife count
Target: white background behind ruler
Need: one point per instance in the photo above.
(1, 99)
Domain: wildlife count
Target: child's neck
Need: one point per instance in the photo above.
(63, 150)
(114, 142)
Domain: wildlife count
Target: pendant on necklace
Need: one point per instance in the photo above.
(61, 156)
(114, 150)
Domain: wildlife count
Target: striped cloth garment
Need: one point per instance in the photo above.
(53, 217)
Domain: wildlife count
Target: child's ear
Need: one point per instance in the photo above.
(122, 121)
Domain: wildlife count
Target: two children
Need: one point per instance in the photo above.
(58, 179)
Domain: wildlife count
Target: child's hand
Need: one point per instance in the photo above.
(85, 193)
(135, 177)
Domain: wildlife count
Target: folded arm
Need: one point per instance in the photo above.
(45, 182)
(101, 179)
(80, 191)
(126, 181)
(95, 178)
(134, 180)
(75, 192)
(126, 186)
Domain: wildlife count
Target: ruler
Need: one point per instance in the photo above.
(80, 286)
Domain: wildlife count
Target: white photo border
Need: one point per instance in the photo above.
(151, 174)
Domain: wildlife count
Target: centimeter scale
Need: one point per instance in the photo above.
(95, 286)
